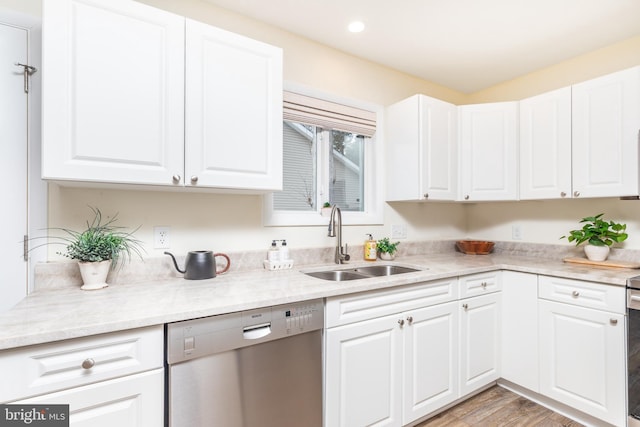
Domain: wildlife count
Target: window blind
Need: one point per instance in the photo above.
(328, 115)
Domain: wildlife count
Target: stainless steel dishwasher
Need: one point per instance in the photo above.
(247, 369)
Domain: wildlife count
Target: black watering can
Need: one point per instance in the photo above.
(201, 265)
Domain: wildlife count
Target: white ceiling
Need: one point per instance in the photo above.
(467, 45)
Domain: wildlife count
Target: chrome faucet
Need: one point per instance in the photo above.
(341, 256)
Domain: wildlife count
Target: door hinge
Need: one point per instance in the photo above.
(25, 247)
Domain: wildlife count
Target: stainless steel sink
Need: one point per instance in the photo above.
(383, 270)
(365, 272)
(337, 275)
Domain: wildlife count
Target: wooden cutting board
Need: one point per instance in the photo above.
(606, 263)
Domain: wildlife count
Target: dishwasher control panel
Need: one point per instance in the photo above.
(190, 339)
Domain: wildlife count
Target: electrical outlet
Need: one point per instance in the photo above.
(516, 232)
(161, 237)
(398, 231)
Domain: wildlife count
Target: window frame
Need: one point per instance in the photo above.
(374, 176)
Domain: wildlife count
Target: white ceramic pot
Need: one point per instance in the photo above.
(596, 253)
(386, 256)
(94, 274)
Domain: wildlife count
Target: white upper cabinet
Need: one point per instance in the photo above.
(233, 126)
(117, 107)
(488, 151)
(606, 126)
(545, 145)
(421, 138)
(113, 92)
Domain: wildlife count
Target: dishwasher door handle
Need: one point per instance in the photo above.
(256, 331)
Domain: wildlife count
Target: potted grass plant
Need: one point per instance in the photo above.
(99, 248)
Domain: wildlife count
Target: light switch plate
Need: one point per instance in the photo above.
(398, 231)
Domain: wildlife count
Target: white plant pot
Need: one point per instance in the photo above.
(94, 274)
(386, 256)
(596, 253)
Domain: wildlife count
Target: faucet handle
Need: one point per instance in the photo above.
(346, 255)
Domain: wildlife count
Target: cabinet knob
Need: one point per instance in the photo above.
(575, 294)
(483, 284)
(401, 322)
(465, 306)
(563, 194)
(466, 197)
(613, 321)
(88, 363)
(194, 179)
(410, 319)
(576, 194)
(176, 179)
(426, 195)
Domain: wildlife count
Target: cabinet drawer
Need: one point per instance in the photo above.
(39, 369)
(369, 305)
(584, 294)
(479, 284)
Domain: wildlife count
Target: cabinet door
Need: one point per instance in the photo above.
(479, 341)
(132, 401)
(430, 360)
(519, 333)
(422, 142)
(606, 123)
(363, 384)
(582, 359)
(233, 110)
(488, 151)
(113, 92)
(545, 145)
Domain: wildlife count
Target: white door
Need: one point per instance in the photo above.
(113, 92)
(430, 360)
(545, 145)
(582, 359)
(233, 110)
(363, 380)
(606, 122)
(479, 341)
(13, 164)
(488, 151)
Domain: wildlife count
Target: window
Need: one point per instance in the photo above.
(330, 155)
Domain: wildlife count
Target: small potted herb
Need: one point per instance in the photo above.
(326, 209)
(386, 249)
(599, 235)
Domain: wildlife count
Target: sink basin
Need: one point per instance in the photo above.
(336, 275)
(383, 270)
(365, 272)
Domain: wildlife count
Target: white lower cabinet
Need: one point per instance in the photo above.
(582, 359)
(134, 401)
(114, 379)
(392, 368)
(479, 341)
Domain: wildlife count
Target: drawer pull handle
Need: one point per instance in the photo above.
(575, 294)
(613, 321)
(410, 320)
(88, 363)
(401, 322)
(465, 306)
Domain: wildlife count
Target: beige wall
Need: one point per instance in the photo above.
(233, 222)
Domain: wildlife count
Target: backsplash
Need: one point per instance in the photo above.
(55, 275)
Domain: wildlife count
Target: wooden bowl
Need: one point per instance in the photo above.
(475, 247)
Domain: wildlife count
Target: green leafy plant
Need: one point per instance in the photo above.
(101, 241)
(326, 205)
(598, 232)
(385, 246)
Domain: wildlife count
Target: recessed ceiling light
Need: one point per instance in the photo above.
(356, 26)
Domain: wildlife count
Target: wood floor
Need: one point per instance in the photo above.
(498, 407)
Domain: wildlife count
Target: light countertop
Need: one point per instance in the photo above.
(57, 314)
